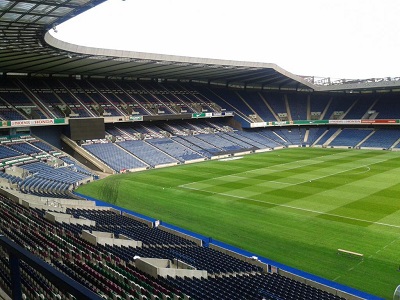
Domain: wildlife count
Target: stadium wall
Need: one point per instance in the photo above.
(50, 134)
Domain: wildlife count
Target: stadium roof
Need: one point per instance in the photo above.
(27, 47)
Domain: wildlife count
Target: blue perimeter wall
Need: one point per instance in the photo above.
(208, 240)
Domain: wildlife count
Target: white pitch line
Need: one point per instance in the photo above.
(352, 268)
(309, 180)
(241, 177)
(314, 162)
(362, 172)
(280, 182)
(383, 248)
(295, 208)
(234, 176)
(336, 173)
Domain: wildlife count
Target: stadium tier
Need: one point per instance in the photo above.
(36, 98)
(113, 271)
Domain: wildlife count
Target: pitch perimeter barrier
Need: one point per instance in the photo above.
(301, 276)
(205, 240)
(198, 241)
(252, 260)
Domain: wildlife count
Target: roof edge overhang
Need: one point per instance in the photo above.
(361, 87)
(131, 56)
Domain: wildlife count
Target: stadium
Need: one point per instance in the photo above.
(130, 175)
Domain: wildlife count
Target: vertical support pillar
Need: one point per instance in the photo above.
(15, 271)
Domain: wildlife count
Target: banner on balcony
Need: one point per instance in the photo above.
(35, 122)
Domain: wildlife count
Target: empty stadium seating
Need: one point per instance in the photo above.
(262, 286)
(382, 138)
(55, 179)
(350, 137)
(34, 98)
(164, 143)
(314, 133)
(114, 156)
(146, 152)
(326, 135)
(48, 181)
(176, 150)
(110, 270)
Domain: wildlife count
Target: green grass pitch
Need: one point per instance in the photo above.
(296, 206)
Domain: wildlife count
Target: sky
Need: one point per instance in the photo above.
(353, 39)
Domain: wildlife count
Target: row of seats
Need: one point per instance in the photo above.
(7, 152)
(180, 142)
(175, 150)
(146, 152)
(61, 174)
(382, 138)
(104, 217)
(148, 236)
(11, 178)
(39, 178)
(158, 243)
(76, 167)
(350, 137)
(249, 287)
(71, 98)
(68, 251)
(93, 98)
(103, 270)
(45, 187)
(115, 157)
(49, 181)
